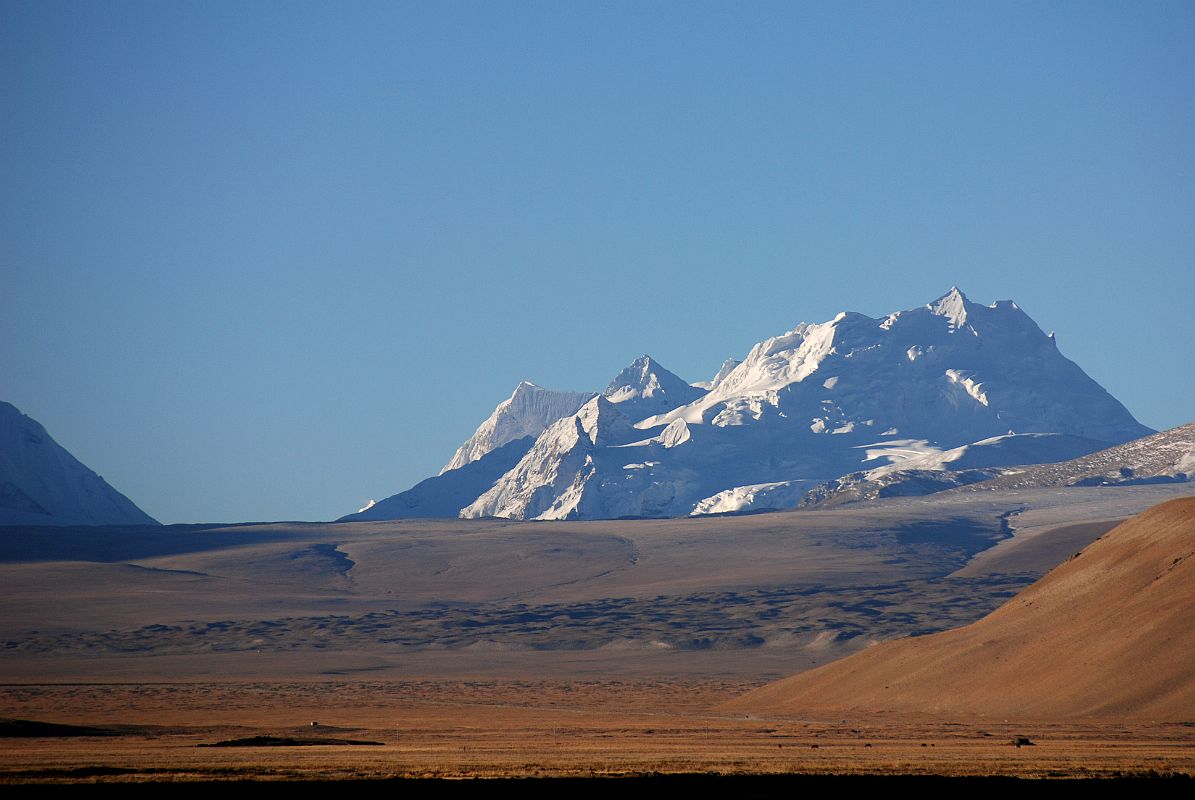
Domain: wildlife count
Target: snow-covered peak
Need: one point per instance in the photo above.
(527, 412)
(640, 375)
(645, 388)
(549, 481)
(952, 305)
(949, 369)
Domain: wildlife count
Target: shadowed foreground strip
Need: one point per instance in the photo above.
(288, 741)
(1106, 634)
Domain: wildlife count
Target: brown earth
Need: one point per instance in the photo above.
(1106, 634)
(444, 728)
(484, 648)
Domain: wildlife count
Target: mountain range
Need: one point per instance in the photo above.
(952, 386)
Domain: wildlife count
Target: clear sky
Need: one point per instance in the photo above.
(268, 260)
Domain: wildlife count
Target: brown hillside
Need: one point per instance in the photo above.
(1111, 633)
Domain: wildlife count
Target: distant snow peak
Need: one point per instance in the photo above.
(644, 388)
(549, 482)
(527, 412)
(640, 373)
(953, 306)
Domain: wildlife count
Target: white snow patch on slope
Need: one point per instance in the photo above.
(899, 452)
(972, 387)
(996, 451)
(759, 496)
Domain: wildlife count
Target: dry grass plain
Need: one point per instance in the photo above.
(439, 728)
(504, 649)
(1106, 633)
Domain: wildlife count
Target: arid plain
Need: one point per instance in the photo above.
(500, 648)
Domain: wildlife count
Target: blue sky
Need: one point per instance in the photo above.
(269, 260)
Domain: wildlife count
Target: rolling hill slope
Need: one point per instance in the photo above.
(1106, 634)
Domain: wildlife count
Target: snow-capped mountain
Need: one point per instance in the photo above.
(550, 481)
(42, 484)
(527, 412)
(644, 389)
(950, 383)
(493, 449)
(948, 369)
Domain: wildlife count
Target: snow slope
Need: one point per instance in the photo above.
(527, 412)
(549, 481)
(996, 451)
(928, 471)
(1166, 457)
(757, 497)
(1024, 461)
(444, 495)
(42, 484)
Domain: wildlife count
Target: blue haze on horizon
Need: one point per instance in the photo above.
(268, 260)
